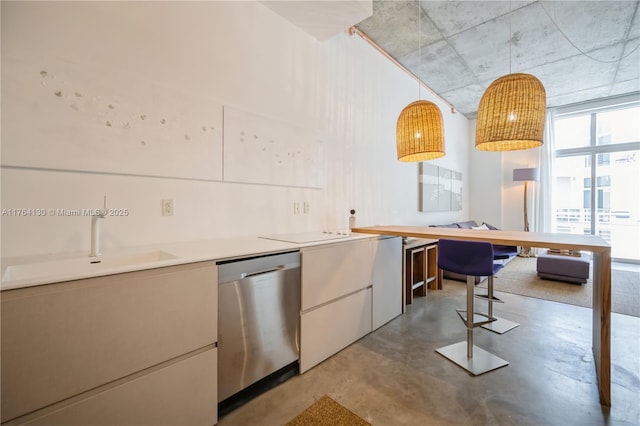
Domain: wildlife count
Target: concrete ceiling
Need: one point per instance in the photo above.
(465, 45)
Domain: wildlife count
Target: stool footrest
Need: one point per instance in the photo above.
(500, 325)
(479, 319)
(486, 297)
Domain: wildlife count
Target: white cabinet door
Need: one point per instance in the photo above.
(334, 270)
(387, 280)
(183, 393)
(61, 340)
(334, 326)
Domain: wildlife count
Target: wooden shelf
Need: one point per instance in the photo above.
(420, 268)
(418, 284)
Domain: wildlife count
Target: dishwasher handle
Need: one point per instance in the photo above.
(266, 271)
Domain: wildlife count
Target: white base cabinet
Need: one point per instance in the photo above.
(178, 394)
(336, 298)
(102, 340)
(348, 289)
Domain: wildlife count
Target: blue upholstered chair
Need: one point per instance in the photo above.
(470, 258)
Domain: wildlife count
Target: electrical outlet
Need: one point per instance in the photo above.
(167, 207)
(305, 207)
(296, 208)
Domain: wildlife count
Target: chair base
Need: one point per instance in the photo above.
(481, 362)
(500, 325)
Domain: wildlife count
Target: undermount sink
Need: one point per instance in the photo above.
(81, 265)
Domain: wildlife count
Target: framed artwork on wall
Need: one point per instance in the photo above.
(439, 189)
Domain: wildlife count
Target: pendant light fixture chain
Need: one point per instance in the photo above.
(510, 36)
(419, 48)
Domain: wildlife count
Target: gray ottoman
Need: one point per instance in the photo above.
(572, 269)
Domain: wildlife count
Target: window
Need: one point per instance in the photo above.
(572, 132)
(597, 175)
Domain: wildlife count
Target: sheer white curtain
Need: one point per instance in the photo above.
(544, 200)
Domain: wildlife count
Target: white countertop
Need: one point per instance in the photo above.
(74, 266)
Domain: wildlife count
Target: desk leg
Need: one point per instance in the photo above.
(602, 323)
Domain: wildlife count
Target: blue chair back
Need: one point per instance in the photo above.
(471, 258)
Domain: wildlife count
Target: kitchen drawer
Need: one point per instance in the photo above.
(183, 393)
(330, 328)
(335, 270)
(60, 340)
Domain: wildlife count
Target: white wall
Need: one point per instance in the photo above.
(495, 197)
(485, 169)
(237, 53)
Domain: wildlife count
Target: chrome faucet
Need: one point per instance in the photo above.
(95, 229)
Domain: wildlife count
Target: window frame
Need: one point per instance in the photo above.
(593, 150)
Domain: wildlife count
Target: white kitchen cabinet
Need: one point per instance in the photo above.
(336, 298)
(330, 328)
(68, 341)
(387, 280)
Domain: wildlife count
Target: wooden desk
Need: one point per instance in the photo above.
(601, 276)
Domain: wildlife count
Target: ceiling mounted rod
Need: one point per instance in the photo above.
(354, 30)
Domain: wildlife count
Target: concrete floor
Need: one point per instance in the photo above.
(393, 376)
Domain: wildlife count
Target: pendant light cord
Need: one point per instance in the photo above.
(580, 50)
(510, 36)
(419, 47)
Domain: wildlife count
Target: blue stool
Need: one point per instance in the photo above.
(470, 258)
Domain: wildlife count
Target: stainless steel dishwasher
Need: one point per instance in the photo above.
(258, 325)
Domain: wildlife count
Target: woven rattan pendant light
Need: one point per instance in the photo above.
(511, 114)
(511, 111)
(419, 130)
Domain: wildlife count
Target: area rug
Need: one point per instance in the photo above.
(519, 277)
(325, 412)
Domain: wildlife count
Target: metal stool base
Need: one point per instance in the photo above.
(500, 325)
(481, 362)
